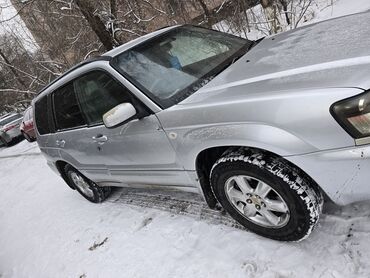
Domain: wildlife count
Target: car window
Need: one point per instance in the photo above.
(98, 93)
(43, 124)
(191, 49)
(174, 65)
(9, 119)
(66, 108)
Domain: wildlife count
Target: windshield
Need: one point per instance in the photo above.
(174, 65)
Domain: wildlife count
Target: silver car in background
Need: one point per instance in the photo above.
(266, 129)
(9, 128)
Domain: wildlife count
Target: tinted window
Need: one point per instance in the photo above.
(41, 116)
(9, 119)
(66, 109)
(98, 93)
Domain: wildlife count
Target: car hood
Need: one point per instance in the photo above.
(333, 53)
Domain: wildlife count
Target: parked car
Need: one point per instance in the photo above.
(264, 128)
(9, 128)
(27, 127)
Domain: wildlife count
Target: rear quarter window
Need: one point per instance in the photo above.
(42, 121)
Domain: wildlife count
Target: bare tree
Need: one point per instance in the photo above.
(95, 23)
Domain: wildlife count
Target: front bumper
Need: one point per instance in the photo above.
(343, 174)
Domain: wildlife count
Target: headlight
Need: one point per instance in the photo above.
(353, 114)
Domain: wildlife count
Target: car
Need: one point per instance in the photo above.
(265, 129)
(27, 126)
(9, 128)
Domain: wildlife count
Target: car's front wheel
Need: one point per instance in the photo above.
(86, 187)
(26, 136)
(4, 142)
(266, 194)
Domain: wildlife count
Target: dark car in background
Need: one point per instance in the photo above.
(26, 127)
(9, 128)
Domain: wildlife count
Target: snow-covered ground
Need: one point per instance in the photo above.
(48, 230)
(315, 11)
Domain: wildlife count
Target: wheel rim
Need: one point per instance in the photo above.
(257, 201)
(81, 183)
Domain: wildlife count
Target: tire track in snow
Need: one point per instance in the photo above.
(179, 203)
(20, 155)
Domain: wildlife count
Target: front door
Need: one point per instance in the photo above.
(137, 152)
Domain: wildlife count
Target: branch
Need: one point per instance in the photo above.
(17, 13)
(18, 91)
(25, 73)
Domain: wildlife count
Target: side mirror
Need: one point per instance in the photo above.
(119, 114)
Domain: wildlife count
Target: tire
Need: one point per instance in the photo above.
(87, 188)
(3, 141)
(280, 203)
(27, 137)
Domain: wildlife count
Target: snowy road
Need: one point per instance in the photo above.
(47, 230)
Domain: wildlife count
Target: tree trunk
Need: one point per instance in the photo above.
(272, 13)
(209, 20)
(285, 9)
(95, 23)
(19, 79)
(113, 8)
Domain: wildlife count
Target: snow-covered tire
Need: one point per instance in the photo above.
(3, 141)
(86, 187)
(302, 198)
(27, 137)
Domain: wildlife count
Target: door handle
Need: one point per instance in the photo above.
(60, 143)
(100, 139)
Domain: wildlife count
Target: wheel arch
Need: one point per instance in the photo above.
(207, 158)
(60, 165)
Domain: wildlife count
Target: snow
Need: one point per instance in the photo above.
(48, 230)
(340, 8)
(317, 10)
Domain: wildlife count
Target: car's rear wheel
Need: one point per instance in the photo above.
(86, 187)
(266, 194)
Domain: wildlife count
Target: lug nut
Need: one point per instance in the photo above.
(258, 207)
(249, 201)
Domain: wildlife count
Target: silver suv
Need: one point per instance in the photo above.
(266, 129)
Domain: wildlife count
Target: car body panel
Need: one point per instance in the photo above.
(277, 97)
(333, 53)
(27, 125)
(343, 173)
(281, 123)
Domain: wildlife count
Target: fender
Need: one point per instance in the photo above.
(190, 143)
